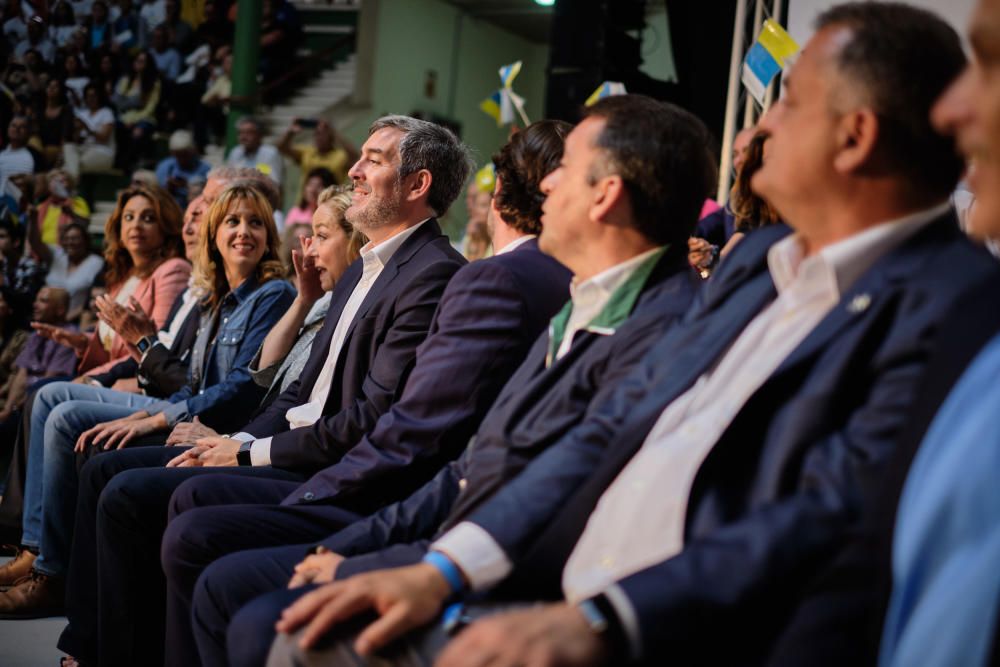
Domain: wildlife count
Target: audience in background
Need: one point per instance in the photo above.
(750, 210)
(20, 274)
(61, 207)
(92, 145)
(72, 265)
(250, 153)
(317, 180)
(174, 172)
(329, 149)
(41, 359)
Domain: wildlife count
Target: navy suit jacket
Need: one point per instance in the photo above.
(777, 493)
(717, 227)
(375, 359)
(488, 317)
(840, 620)
(534, 410)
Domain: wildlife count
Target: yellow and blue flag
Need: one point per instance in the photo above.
(606, 89)
(491, 106)
(509, 72)
(771, 53)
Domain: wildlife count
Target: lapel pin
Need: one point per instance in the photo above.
(859, 303)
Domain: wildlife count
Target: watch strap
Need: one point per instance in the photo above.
(243, 454)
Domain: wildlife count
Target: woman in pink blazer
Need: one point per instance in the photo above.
(144, 253)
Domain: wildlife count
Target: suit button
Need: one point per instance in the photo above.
(309, 495)
(462, 483)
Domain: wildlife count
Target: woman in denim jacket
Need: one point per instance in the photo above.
(238, 269)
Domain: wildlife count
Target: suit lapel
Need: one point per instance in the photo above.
(872, 289)
(421, 237)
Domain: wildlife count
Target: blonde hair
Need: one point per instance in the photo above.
(337, 202)
(209, 271)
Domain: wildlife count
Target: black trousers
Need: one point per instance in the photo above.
(216, 515)
(115, 586)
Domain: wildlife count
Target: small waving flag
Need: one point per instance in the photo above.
(606, 89)
(509, 72)
(771, 53)
(491, 106)
(502, 104)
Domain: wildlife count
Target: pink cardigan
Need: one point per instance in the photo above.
(156, 294)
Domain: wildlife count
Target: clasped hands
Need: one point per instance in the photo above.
(550, 635)
(210, 449)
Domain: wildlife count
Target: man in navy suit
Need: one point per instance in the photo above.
(550, 392)
(381, 311)
(683, 517)
(917, 584)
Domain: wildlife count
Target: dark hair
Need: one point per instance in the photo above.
(14, 229)
(323, 174)
(80, 227)
(433, 147)
(521, 164)
(148, 77)
(168, 219)
(661, 152)
(750, 209)
(99, 90)
(902, 58)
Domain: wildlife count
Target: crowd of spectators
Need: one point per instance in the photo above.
(627, 433)
(97, 81)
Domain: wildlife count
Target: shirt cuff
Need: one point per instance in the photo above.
(175, 412)
(476, 553)
(158, 406)
(260, 452)
(627, 617)
(242, 436)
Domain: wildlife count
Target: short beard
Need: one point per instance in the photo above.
(379, 212)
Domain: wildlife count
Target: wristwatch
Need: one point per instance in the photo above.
(603, 621)
(145, 343)
(243, 454)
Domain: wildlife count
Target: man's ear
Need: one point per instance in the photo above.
(420, 184)
(609, 192)
(856, 135)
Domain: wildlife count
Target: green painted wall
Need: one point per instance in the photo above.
(415, 36)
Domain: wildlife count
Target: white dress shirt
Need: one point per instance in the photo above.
(374, 259)
(590, 296)
(639, 521)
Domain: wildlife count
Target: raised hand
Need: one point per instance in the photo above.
(73, 339)
(132, 323)
(306, 274)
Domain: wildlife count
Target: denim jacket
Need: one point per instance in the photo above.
(219, 389)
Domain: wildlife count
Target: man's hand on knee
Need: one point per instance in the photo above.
(555, 635)
(404, 598)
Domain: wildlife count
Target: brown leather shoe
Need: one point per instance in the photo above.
(34, 596)
(17, 568)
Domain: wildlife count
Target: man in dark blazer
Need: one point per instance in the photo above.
(843, 618)
(684, 515)
(548, 395)
(380, 312)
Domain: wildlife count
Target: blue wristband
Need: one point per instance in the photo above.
(447, 569)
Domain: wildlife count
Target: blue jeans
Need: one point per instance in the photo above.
(60, 413)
